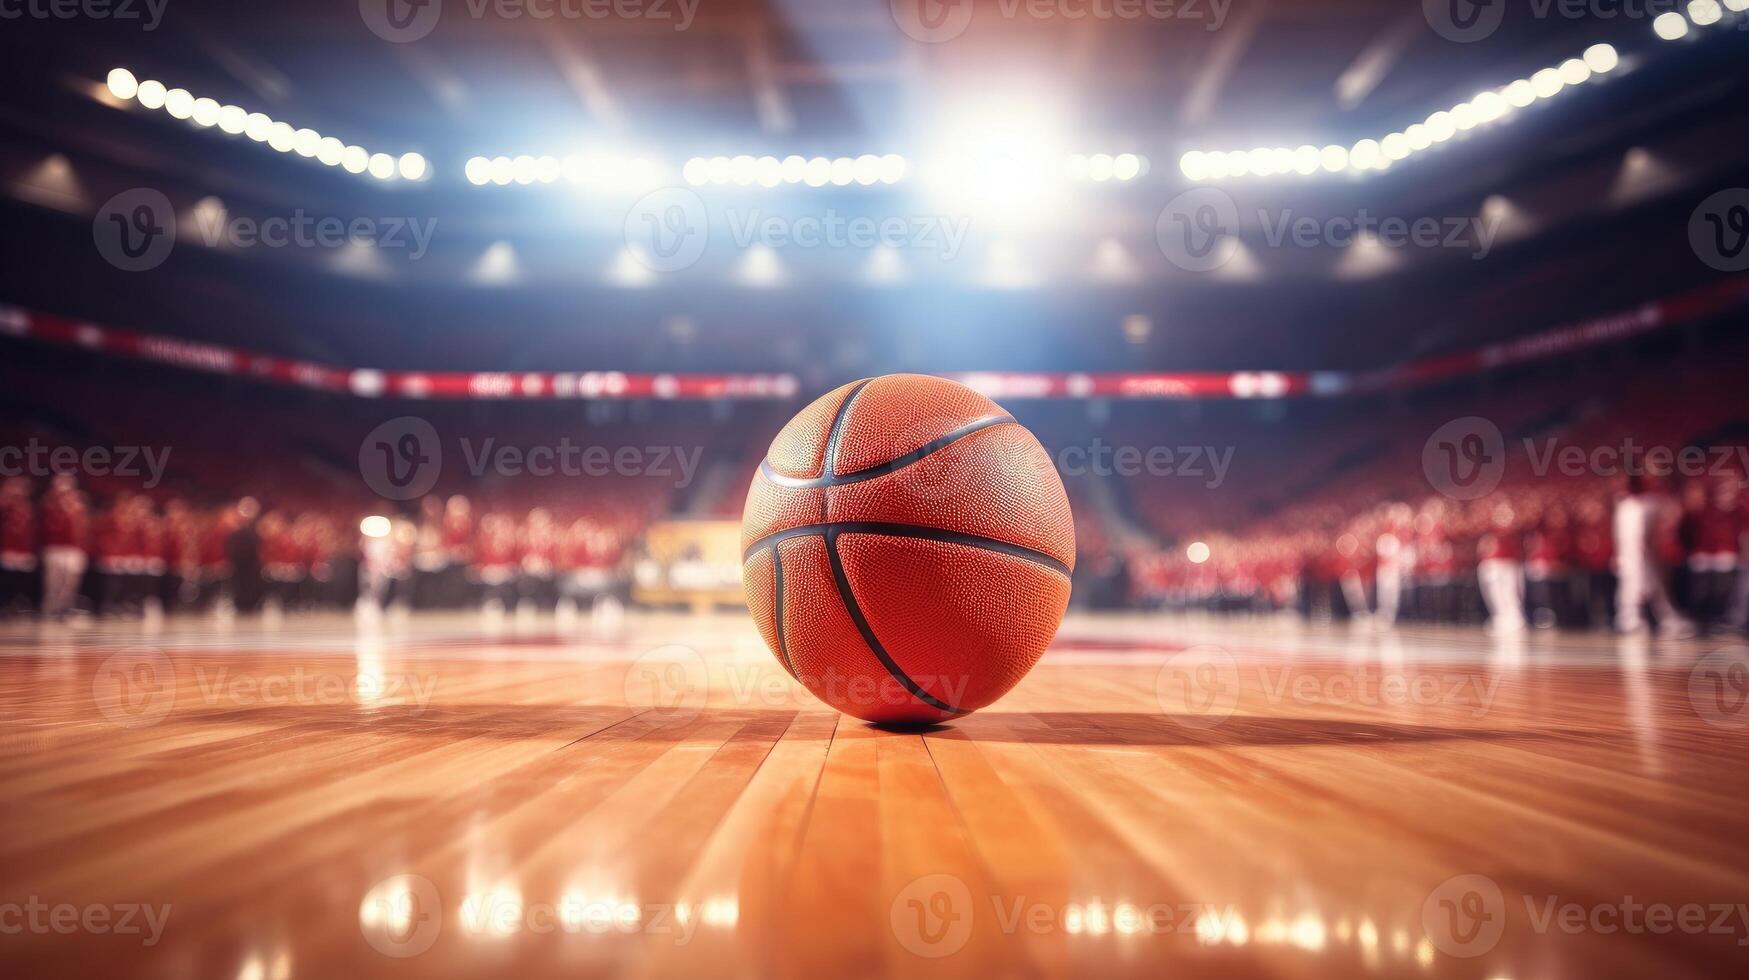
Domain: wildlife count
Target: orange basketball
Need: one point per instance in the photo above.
(906, 549)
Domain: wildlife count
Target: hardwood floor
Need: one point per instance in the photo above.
(1160, 796)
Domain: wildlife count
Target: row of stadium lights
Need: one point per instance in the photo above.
(637, 173)
(1368, 154)
(1380, 154)
(208, 113)
(748, 171)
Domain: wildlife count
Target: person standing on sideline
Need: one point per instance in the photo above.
(1641, 516)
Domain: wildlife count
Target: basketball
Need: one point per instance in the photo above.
(906, 549)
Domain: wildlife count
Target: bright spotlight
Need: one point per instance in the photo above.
(867, 169)
(375, 526)
(522, 169)
(1364, 155)
(1547, 83)
(1126, 166)
(792, 168)
(1306, 160)
(1704, 12)
(1334, 158)
(1602, 59)
(1197, 552)
(354, 159)
(232, 119)
(1671, 26)
(382, 166)
(1522, 93)
(152, 94)
(282, 137)
(1395, 146)
(1002, 160)
(329, 150)
(122, 84)
(502, 170)
(478, 170)
(205, 112)
(412, 166)
(818, 172)
(892, 168)
(179, 103)
(306, 142)
(258, 127)
(1194, 165)
(1575, 72)
(1418, 137)
(743, 170)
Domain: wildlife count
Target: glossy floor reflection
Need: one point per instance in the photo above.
(1192, 797)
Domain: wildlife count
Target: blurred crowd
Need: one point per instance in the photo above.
(61, 554)
(1640, 553)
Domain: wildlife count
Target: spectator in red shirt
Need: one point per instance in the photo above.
(65, 533)
(17, 546)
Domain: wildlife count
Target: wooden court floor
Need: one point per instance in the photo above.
(1160, 797)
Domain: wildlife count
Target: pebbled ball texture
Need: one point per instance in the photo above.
(907, 549)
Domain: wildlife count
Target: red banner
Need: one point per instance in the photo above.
(1188, 385)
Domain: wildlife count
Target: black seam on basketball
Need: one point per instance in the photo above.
(777, 608)
(912, 531)
(829, 458)
(868, 637)
(832, 479)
